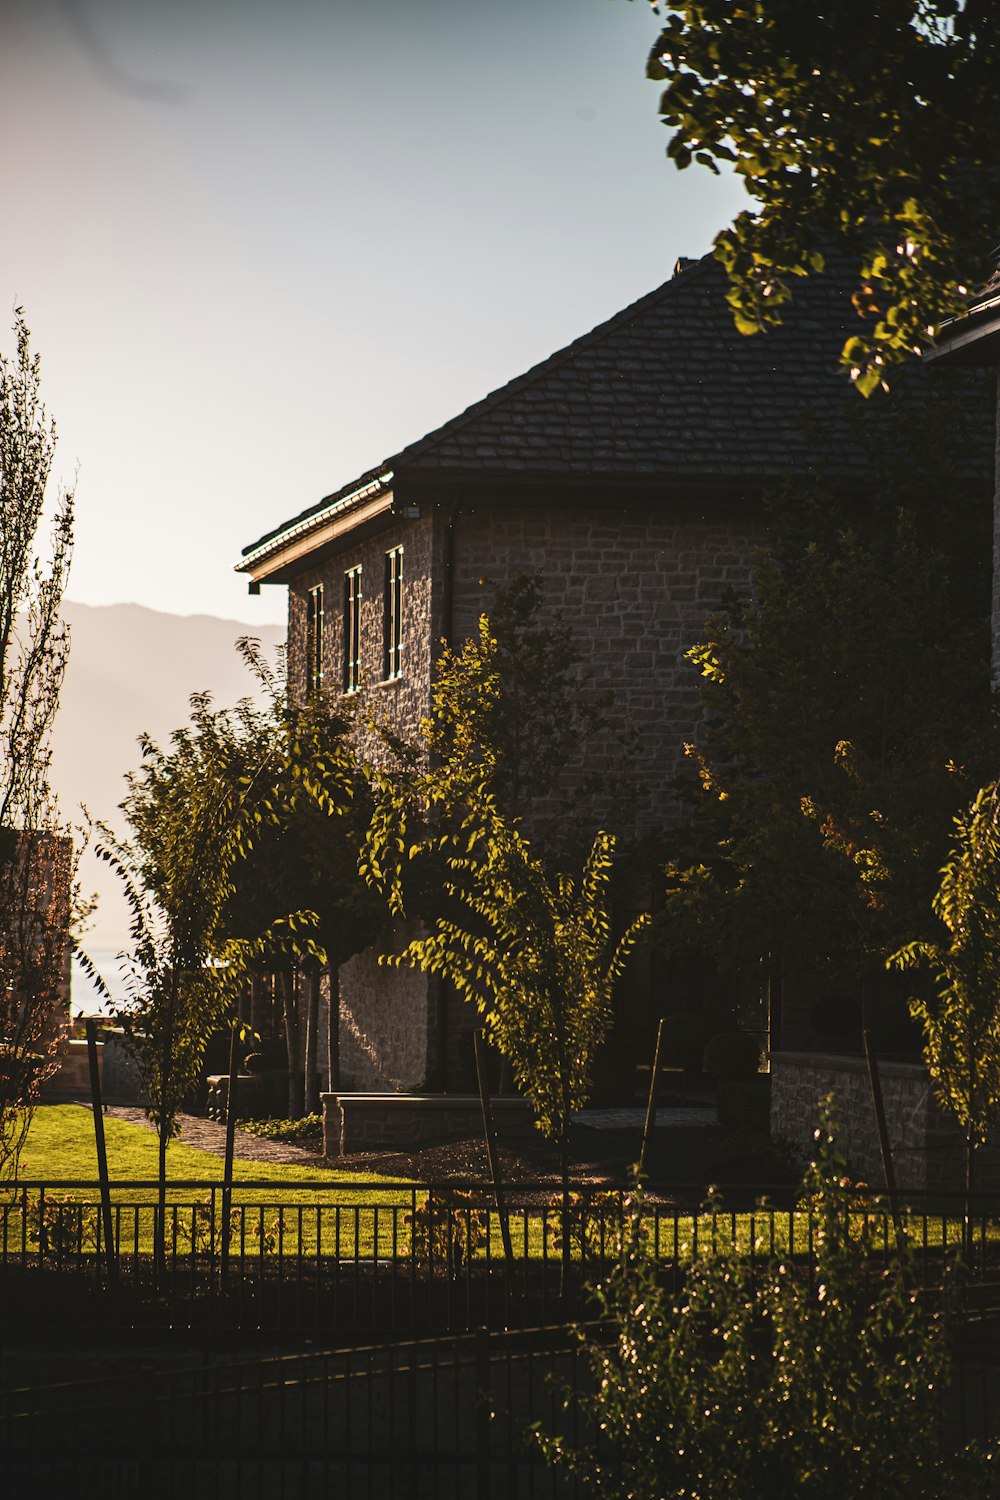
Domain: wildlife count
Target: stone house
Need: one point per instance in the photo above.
(627, 472)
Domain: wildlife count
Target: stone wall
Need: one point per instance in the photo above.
(385, 1020)
(404, 700)
(403, 1122)
(927, 1148)
(636, 588)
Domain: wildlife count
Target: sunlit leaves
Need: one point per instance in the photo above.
(961, 1021)
(765, 1380)
(871, 125)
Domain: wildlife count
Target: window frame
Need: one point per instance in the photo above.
(392, 616)
(315, 640)
(352, 629)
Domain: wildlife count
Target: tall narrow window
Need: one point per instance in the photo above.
(352, 630)
(314, 641)
(393, 614)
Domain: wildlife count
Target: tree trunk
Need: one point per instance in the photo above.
(566, 1221)
(970, 1174)
(333, 1032)
(258, 1005)
(311, 1091)
(160, 1227)
(296, 1080)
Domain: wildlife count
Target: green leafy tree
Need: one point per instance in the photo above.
(869, 126)
(36, 859)
(534, 952)
(961, 1022)
(510, 711)
(191, 810)
(760, 1381)
(294, 805)
(848, 715)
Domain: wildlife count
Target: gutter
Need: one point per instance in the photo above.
(261, 560)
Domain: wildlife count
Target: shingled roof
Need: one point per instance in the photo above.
(666, 389)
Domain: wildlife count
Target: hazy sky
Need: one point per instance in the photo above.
(263, 245)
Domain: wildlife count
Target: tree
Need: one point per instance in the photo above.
(191, 811)
(510, 711)
(961, 1023)
(36, 860)
(869, 127)
(760, 1381)
(533, 951)
(848, 716)
(291, 807)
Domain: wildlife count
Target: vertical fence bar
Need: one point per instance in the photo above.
(102, 1151)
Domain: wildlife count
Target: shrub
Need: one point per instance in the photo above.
(760, 1381)
(685, 1034)
(449, 1227)
(744, 1106)
(732, 1057)
(292, 1131)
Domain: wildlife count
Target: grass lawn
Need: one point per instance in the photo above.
(347, 1214)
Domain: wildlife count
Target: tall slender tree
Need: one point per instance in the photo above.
(35, 852)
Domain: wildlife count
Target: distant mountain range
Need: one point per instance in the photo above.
(132, 671)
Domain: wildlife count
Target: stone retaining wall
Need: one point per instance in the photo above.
(927, 1148)
(403, 1122)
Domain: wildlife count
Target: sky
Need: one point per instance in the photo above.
(261, 246)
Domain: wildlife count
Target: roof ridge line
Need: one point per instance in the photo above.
(518, 383)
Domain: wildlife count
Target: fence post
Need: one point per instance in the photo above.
(647, 1133)
(102, 1150)
(483, 1414)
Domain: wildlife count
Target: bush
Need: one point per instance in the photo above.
(685, 1034)
(292, 1131)
(743, 1106)
(762, 1381)
(732, 1057)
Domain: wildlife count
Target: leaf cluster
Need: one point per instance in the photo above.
(961, 1019)
(868, 125)
(36, 861)
(758, 1380)
(533, 951)
(848, 714)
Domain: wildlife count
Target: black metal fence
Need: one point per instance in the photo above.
(366, 1261)
(438, 1418)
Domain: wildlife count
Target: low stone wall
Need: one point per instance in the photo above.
(72, 1080)
(927, 1148)
(121, 1083)
(401, 1122)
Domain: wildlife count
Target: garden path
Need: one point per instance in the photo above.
(209, 1135)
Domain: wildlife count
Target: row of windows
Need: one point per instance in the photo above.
(392, 627)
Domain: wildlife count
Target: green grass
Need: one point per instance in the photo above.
(350, 1214)
(60, 1146)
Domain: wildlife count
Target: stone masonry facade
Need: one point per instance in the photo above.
(635, 587)
(927, 1148)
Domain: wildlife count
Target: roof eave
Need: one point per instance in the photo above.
(973, 338)
(274, 557)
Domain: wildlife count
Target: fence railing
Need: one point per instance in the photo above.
(403, 1258)
(437, 1417)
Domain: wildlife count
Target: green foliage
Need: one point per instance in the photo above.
(732, 1056)
(759, 1381)
(848, 714)
(685, 1036)
(509, 711)
(533, 951)
(449, 1226)
(305, 1129)
(36, 859)
(961, 1022)
(869, 126)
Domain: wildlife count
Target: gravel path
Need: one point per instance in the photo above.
(209, 1135)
